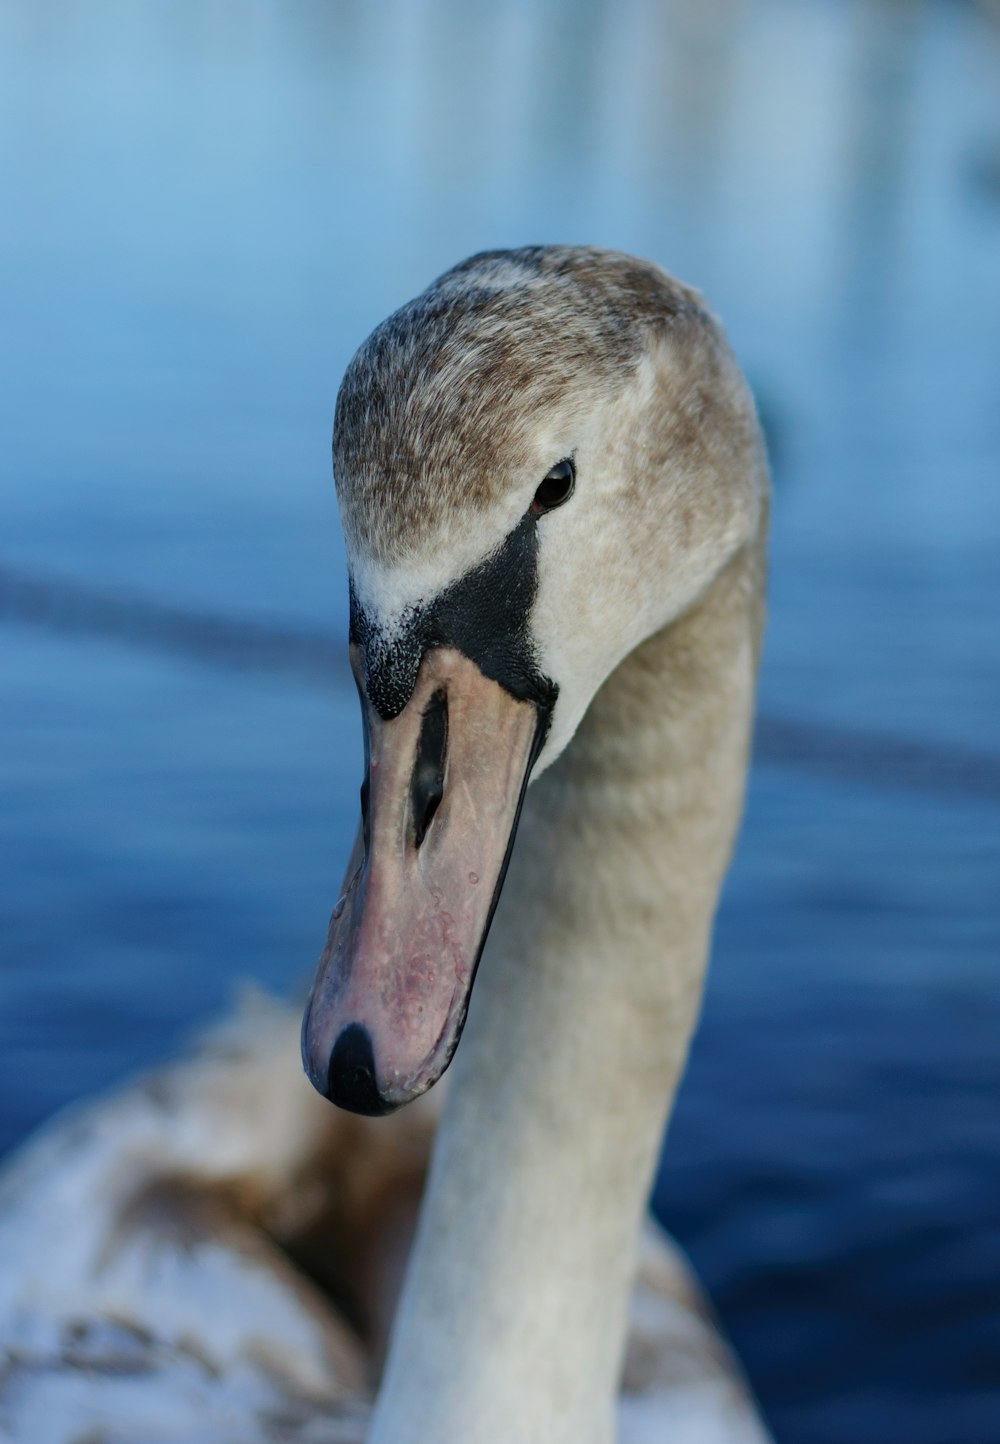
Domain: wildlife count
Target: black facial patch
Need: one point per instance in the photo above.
(484, 615)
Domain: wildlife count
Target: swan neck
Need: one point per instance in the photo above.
(514, 1314)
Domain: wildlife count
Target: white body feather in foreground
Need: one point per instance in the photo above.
(146, 1296)
(161, 1249)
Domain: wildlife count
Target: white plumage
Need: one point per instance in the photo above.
(213, 1255)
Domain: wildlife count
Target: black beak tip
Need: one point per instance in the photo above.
(351, 1082)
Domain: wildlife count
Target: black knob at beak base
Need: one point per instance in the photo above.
(351, 1079)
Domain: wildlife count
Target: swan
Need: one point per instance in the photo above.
(554, 496)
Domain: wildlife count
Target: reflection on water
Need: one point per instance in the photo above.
(209, 216)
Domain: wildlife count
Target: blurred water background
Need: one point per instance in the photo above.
(205, 207)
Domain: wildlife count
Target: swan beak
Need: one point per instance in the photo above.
(440, 804)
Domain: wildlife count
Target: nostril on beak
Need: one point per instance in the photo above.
(351, 1082)
(427, 783)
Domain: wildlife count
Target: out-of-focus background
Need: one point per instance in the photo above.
(205, 207)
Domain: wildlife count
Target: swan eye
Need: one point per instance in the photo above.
(556, 488)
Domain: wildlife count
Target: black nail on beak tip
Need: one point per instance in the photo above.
(351, 1080)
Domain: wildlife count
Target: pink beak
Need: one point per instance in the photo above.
(440, 807)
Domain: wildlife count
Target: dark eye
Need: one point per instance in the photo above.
(556, 488)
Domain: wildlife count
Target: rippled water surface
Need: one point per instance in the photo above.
(206, 214)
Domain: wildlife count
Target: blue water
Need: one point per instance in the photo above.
(205, 209)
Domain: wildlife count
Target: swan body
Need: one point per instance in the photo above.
(155, 1283)
(607, 653)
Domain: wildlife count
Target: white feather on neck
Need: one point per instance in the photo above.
(513, 1321)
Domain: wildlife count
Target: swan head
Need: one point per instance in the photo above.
(540, 462)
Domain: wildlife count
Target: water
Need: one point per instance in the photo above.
(204, 213)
